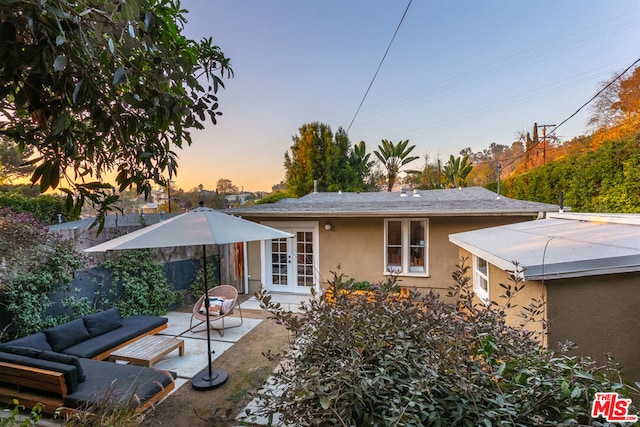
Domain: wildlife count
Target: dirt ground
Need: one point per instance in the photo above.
(248, 368)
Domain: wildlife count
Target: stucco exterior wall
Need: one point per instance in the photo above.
(600, 315)
(357, 246)
(531, 292)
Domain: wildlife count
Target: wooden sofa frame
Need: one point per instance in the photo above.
(30, 386)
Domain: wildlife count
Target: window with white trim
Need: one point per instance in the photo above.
(481, 278)
(406, 246)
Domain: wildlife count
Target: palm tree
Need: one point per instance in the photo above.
(393, 157)
(456, 171)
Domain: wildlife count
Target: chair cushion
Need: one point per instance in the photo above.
(105, 321)
(67, 334)
(67, 359)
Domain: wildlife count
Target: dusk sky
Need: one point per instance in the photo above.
(458, 74)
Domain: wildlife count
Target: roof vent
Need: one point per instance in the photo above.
(415, 193)
(403, 192)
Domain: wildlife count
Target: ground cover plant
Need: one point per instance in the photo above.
(424, 361)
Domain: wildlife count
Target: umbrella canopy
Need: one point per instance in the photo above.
(201, 226)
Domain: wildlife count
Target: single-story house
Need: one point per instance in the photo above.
(368, 235)
(586, 267)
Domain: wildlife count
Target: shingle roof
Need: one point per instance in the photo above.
(564, 245)
(451, 202)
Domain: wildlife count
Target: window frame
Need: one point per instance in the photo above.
(405, 268)
(479, 277)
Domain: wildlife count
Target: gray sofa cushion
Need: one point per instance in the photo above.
(116, 383)
(37, 340)
(105, 321)
(22, 351)
(132, 327)
(66, 335)
(70, 372)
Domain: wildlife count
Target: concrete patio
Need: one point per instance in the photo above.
(195, 343)
(195, 357)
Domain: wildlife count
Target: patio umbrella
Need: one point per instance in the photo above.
(201, 226)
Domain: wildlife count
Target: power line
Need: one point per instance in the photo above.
(578, 110)
(379, 65)
(595, 96)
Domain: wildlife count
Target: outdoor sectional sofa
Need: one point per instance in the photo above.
(65, 367)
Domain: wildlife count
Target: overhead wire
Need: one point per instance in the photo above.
(605, 87)
(379, 66)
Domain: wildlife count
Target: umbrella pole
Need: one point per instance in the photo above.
(208, 378)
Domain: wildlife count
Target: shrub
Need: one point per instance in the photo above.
(35, 264)
(44, 207)
(140, 286)
(423, 361)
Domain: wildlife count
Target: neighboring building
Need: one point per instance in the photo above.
(83, 231)
(367, 235)
(585, 266)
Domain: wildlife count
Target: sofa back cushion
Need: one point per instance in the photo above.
(23, 351)
(37, 341)
(66, 335)
(67, 359)
(105, 321)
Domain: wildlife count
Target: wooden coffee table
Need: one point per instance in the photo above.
(148, 350)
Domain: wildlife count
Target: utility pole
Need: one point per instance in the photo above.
(499, 171)
(544, 142)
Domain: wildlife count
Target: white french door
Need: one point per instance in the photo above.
(291, 264)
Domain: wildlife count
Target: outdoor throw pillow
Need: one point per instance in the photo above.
(227, 306)
(105, 321)
(22, 351)
(67, 359)
(65, 335)
(215, 304)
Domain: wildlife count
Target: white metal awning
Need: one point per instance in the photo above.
(563, 245)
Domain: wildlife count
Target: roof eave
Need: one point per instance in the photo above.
(582, 273)
(324, 214)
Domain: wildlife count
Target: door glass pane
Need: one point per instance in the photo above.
(279, 262)
(305, 258)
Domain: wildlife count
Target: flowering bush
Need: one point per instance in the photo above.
(424, 361)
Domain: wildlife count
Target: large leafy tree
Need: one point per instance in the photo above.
(99, 87)
(616, 110)
(426, 178)
(456, 171)
(394, 157)
(318, 154)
